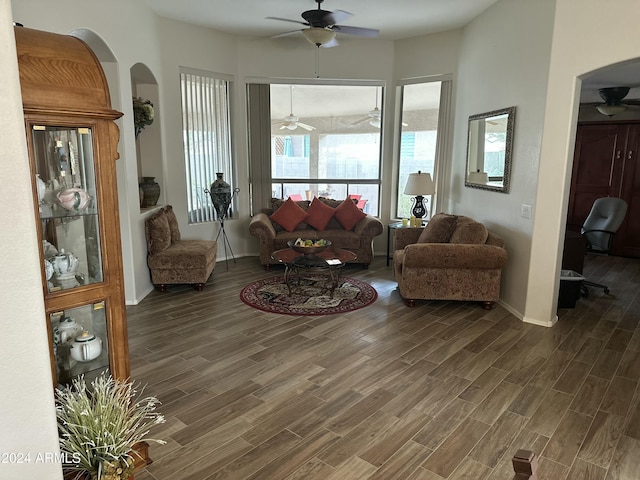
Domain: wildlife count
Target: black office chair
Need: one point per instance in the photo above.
(603, 221)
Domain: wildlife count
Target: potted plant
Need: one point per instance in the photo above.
(100, 424)
(142, 113)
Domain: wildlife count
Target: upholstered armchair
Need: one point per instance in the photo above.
(171, 259)
(452, 258)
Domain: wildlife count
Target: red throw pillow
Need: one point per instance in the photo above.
(348, 214)
(319, 214)
(289, 215)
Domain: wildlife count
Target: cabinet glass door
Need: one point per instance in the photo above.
(80, 343)
(67, 202)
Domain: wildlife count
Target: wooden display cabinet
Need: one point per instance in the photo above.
(72, 144)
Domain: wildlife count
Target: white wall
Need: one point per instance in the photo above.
(27, 416)
(580, 46)
(504, 62)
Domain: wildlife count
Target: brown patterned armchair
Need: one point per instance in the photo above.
(452, 258)
(171, 259)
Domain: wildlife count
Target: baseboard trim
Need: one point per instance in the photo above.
(524, 319)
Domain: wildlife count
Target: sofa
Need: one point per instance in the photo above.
(339, 221)
(172, 260)
(452, 258)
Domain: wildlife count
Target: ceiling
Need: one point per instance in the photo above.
(395, 19)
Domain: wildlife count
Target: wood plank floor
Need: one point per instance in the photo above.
(443, 390)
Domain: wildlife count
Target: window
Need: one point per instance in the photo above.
(206, 132)
(418, 140)
(325, 141)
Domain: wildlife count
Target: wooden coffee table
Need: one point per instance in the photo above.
(297, 266)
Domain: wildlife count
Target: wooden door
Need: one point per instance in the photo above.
(597, 164)
(627, 239)
(605, 165)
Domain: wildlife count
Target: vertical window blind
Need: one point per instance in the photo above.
(206, 129)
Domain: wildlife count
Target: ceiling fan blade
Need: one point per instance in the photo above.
(337, 16)
(287, 20)
(362, 120)
(359, 31)
(332, 43)
(287, 34)
(305, 126)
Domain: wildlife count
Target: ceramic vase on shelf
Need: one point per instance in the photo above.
(220, 192)
(151, 192)
(74, 199)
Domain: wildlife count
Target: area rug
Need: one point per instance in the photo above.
(310, 297)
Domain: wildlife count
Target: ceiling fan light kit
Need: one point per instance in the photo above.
(614, 102)
(611, 110)
(319, 36)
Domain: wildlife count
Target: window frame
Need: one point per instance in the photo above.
(217, 152)
(442, 145)
(349, 183)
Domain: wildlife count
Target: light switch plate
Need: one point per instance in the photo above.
(525, 211)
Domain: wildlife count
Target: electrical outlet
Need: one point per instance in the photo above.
(525, 211)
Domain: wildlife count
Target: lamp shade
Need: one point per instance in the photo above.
(318, 36)
(419, 184)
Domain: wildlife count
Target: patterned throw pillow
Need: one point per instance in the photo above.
(469, 231)
(289, 215)
(439, 229)
(319, 214)
(173, 224)
(348, 214)
(159, 233)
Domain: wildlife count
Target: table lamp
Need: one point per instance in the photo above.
(419, 184)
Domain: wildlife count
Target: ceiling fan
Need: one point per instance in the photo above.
(323, 26)
(374, 117)
(291, 122)
(613, 101)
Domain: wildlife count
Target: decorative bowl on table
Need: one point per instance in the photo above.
(308, 247)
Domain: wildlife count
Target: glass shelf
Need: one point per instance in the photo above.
(80, 342)
(68, 206)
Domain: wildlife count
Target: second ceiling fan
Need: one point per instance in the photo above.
(291, 121)
(615, 101)
(323, 26)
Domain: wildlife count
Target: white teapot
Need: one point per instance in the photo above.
(66, 330)
(64, 263)
(48, 269)
(86, 347)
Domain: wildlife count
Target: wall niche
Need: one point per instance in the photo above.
(148, 140)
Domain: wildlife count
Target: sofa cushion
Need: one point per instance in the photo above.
(289, 215)
(276, 203)
(173, 224)
(439, 229)
(348, 214)
(469, 231)
(186, 255)
(158, 232)
(319, 214)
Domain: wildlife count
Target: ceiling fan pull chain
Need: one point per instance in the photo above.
(318, 61)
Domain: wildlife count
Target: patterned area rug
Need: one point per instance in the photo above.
(311, 297)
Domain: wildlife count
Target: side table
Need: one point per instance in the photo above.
(393, 226)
